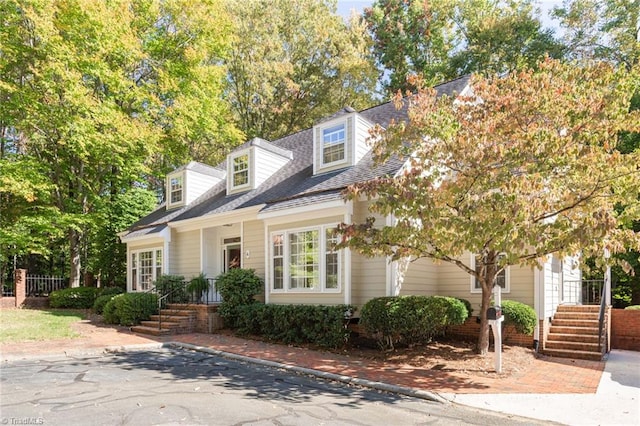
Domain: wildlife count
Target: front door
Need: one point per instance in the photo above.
(231, 254)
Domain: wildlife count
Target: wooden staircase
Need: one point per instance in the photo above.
(574, 333)
(175, 320)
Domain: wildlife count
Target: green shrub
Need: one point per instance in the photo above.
(521, 316)
(174, 286)
(74, 298)
(238, 287)
(633, 307)
(198, 285)
(410, 319)
(109, 312)
(101, 301)
(318, 324)
(130, 308)
(111, 291)
(467, 305)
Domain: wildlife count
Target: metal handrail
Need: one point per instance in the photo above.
(603, 303)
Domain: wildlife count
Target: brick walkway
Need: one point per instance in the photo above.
(544, 375)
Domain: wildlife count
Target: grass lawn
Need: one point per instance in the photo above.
(21, 325)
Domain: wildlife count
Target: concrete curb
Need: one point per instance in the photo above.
(416, 393)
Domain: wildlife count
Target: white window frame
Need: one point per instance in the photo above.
(323, 143)
(135, 268)
(233, 171)
(323, 250)
(475, 286)
(170, 190)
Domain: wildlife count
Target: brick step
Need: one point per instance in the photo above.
(165, 324)
(559, 322)
(569, 337)
(178, 312)
(576, 316)
(153, 331)
(588, 331)
(172, 318)
(564, 353)
(572, 346)
(578, 308)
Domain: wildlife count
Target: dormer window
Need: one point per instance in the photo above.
(241, 170)
(176, 185)
(333, 144)
(340, 141)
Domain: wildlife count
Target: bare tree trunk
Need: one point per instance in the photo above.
(74, 258)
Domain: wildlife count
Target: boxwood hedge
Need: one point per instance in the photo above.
(410, 319)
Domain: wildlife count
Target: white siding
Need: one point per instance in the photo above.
(368, 275)
(420, 277)
(253, 242)
(266, 163)
(197, 184)
(552, 279)
(185, 253)
(361, 136)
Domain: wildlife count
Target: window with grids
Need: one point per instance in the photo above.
(241, 170)
(146, 267)
(502, 279)
(175, 190)
(305, 260)
(333, 144)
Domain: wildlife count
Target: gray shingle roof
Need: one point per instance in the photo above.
(294, 184)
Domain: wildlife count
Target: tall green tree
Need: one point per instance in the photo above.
(526, 167)
(444, 39)
(103, 94)
(606, 30)
(292, 63)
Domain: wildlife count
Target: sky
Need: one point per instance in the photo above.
(345, 7)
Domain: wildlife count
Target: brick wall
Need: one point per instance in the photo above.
(625, 329)
(207, 318)
(471, 328)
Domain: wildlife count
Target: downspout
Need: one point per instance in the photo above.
(348, 218)
(267, 270)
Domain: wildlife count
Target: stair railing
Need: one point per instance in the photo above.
(175, 290)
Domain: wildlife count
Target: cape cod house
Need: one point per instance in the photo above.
(271, 206)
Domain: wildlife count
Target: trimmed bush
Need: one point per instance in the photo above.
(238, 288)
(73, 298)
(633, 307)
(111, 291)
(130, 308)
(109, 313)
(467, 305)
(174, 285)
(410, 319)
(101, 301)
(521, 316)
(318, 324)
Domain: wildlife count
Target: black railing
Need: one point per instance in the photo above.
(9, 289)
(42, 286)
(585, 292)
(179, 293)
